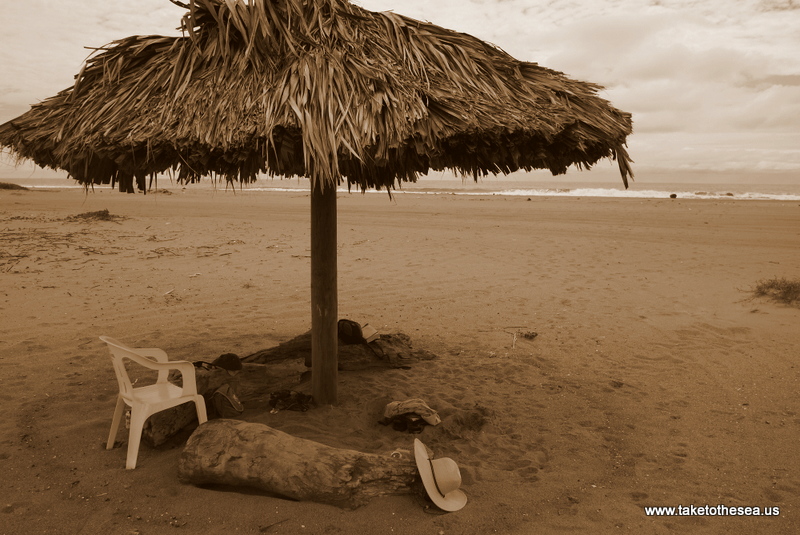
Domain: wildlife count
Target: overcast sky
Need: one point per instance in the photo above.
(713, 85)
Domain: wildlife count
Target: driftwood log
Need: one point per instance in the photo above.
(392, 350)
(237, 453)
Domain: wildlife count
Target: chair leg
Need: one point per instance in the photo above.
(138, 416)
(200, 405)
(118, 412)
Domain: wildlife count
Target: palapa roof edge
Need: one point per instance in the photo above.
(323, 89)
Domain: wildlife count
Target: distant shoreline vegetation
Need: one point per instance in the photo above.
(6, 185)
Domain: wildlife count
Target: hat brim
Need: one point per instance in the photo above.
(453, 500)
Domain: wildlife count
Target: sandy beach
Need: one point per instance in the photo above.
(654, 379)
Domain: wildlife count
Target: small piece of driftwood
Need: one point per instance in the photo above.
(165, 424)
(161, 426)
(237, 453)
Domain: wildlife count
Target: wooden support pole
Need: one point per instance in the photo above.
(324, 299)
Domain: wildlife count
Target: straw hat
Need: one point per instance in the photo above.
(441, 478)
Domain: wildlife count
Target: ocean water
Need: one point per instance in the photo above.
(513, 187)
(555, 187)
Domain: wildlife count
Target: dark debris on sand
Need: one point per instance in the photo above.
(100, 215)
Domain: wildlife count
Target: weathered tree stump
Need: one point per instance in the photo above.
(232, 452)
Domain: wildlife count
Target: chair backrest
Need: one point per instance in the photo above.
(120, 352)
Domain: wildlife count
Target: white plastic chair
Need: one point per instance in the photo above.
(145, 401)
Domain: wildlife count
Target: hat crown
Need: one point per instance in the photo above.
(446, 474)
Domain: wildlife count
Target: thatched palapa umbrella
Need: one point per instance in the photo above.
(316, 88)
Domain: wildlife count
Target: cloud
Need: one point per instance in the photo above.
(775, 80)
(684, 71)
(779, 5)
(740, 151)
(43, 44)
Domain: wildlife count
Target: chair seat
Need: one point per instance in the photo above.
(157, 393)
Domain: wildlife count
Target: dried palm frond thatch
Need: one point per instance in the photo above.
(323, 89)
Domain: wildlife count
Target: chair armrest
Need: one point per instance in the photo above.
(187, 375)
(154, 353)
(160, 356)
(184, 366)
